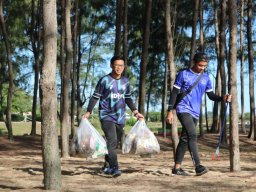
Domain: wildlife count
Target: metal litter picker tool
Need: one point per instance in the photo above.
(216, 155)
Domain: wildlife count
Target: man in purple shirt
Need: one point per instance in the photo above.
(113, 92)
(188, 110)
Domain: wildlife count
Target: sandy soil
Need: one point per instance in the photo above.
(21, 169)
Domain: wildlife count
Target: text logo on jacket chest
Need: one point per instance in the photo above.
(117, 96)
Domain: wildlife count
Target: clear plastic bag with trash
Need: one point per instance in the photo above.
(89, 142)
(140, 140)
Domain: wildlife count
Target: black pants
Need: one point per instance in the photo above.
(188, 139)
(113, 133)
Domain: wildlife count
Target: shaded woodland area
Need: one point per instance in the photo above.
(65, 47)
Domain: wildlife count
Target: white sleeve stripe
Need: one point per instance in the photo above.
(176, 86)
(208, 90)
(95, 96)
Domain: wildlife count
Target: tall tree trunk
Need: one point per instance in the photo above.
(217, 77)
(144, 60)
(74, 72)
(8, 121)
(119, 14)
(78, 65)
(1, 88)
(201, 19)
(164, 99)
(202, 50)
(50, 146)
(65, 121)
(62, 54)
(35, 41)
(252, 133)
(125, 36)
(193, 39)
(222, 63)
(242, 64)
(125, 31)
(234, 129)
(169, 27)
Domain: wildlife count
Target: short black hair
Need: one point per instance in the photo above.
(116, 57)
(200, 56)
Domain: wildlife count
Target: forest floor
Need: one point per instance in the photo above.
(21, 169)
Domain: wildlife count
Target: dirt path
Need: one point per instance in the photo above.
(21, 169)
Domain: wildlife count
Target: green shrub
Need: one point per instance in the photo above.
(154, 116)
(131, 121)
(17, 117)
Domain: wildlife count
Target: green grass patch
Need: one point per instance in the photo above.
(20, 128)
(24, 128)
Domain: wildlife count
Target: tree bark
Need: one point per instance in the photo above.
(164, 99)
(169, 27)
(125, 32)
(222, 64)
(144, 60)
(35, 41)
(8, 121)
(119, 14)
(1, 88)
(215, 117)
(79, 102)
(62, 55)
(233, 125)
(74, 71)
(125, 36)
(252, 133)
(242, 64)
(193, 39)
(201, 119)
(65, 121)
(50, 146)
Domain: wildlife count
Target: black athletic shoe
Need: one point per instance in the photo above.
(200, 170)
(116, 172)
(179, 172)
(105, 167)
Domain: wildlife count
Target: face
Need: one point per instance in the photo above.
(117, 67)
(199, 66)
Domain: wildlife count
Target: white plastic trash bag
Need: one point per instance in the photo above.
(141, 139)
(129, 139)
(89, 142)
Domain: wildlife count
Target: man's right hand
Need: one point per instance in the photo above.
(86, 115)
(169, 117)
